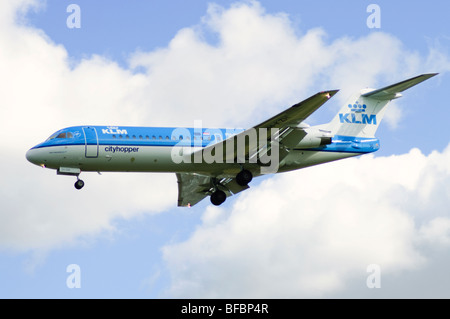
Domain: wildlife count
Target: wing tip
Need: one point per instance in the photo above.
(329, 94)
(426, 76)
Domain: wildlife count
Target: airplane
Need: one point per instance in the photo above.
(222, 162)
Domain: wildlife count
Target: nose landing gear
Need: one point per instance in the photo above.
(69, 171)
(79, 184)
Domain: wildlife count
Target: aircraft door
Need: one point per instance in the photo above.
(91, 142)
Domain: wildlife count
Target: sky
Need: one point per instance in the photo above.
(376, 226)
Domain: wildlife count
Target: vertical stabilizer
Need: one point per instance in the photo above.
(362, 114)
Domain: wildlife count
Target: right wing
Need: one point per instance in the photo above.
(193, 187)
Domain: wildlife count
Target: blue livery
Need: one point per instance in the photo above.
(222, 162)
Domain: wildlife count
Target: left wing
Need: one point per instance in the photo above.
(193, 187)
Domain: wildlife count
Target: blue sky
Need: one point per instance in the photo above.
(145, 247)
(113, 30)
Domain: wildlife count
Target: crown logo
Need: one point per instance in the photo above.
(357, 107)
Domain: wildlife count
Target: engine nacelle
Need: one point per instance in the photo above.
(309, 137)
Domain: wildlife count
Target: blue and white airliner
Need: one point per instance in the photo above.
(222, 162)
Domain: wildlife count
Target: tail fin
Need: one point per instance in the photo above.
(361, 116)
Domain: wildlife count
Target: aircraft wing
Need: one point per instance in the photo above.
(283, 121)
(298, 112)
(193, 187)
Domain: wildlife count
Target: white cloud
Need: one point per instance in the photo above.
(40, 94)
(258, 66)
(313, 232)
(437, 232)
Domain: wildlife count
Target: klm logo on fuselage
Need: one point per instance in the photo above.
(357, 115)
(113, 130)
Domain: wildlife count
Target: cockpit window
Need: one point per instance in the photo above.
(52, 137)
(61, 135)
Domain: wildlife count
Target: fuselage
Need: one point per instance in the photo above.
(222, 162)
(152, 149)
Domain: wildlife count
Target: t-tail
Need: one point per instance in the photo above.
(363, 113)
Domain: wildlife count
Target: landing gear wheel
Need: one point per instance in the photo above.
(79, 184)
(244, 177)
(218, 197)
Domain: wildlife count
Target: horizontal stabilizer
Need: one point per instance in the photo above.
(392, 91)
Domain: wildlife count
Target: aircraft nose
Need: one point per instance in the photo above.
(33, 157)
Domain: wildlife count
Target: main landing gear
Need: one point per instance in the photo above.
(242, 178)
(218, 197)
